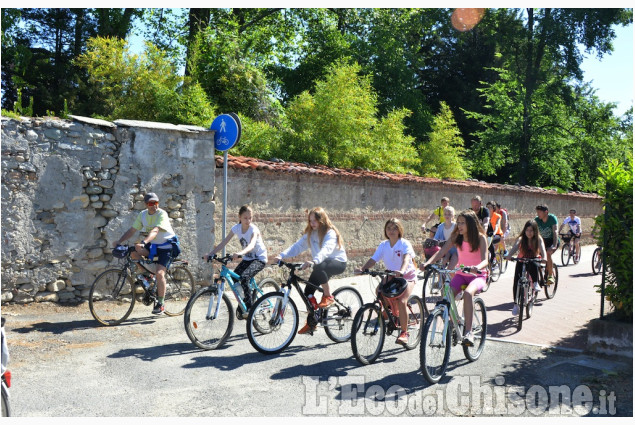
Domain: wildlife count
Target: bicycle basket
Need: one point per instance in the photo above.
(394, 288)
(120, 251)
(566, 237)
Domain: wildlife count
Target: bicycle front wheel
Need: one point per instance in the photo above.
(576, 255)
(479, 330)
(432, 291)
(208, 328)
(495, 271)
(596, 261)
(111, 298)
(270, 326)
(368, 334)
(522, 296)
(179, 286)
(338, 318)
(565, 255)
(550, 289)
(416, 317)
(434, 354)
(502, 262)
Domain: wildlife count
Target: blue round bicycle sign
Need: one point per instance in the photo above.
(227, 128)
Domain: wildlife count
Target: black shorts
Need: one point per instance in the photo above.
(549, 243)
(164, 256)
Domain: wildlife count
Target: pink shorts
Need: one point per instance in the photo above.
(460, 280)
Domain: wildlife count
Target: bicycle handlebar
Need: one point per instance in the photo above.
(536, 260)
(291, 266)
(456, 269)
(378, 273)
(224, 260)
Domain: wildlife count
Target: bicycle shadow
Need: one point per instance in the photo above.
(59, 328)
(233, 362)
(149, 354)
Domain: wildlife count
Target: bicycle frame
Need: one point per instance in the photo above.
(448, 305)
(382, 302)
(293, 282)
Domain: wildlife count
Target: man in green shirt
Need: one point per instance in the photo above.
(154, 224)
(548, 227)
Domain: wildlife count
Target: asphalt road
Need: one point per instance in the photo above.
(63, 364)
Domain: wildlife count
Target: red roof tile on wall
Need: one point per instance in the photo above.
(244, 163)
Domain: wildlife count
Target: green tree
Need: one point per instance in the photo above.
(444, 155)
(339, 126)
(143, 87)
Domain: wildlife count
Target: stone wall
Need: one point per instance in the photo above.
(71, 188)
(359, 203)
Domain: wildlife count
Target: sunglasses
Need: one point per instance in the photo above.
(152, 203)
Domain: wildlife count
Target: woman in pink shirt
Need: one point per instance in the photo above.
(471, 243)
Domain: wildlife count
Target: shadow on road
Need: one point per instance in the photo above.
(152, 353)
(58, 328)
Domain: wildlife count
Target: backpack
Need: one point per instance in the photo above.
(176, 246)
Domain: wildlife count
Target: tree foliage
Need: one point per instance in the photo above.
(443, 155)
(143, 87)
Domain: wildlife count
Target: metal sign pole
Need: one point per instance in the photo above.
(224, 196)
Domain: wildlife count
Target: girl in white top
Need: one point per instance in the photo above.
(397, 255)
(328, 257)
(444, 233)
(253, 250)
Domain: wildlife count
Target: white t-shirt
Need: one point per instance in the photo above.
(575, 224)
(327, 251)
(392, 256)
(260, 250)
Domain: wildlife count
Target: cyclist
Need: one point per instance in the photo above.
(493, 230)
(397, 255)
(329, 257)
(154, 224)
(438, 213)
(529, 244)
(444, 233)
(471, 243)
(481, 212)
(548, 227)
(575, 228)
(254, 251)
(505, 226)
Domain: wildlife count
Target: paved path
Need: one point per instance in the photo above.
(559, 322)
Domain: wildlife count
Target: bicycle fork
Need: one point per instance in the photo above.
(277, 316)
(214, 301)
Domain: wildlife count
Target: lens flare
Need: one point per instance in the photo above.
(464, 19)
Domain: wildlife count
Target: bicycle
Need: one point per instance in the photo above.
(526, 295)
(569, 250)
(500, 258)
(209, 315)
(596, 260)
(444, 329)
(550, 288)
(114, 292)
(494, 268)
(376, 320)
(273, 320)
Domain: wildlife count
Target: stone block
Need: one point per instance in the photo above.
(97, 204)
(7, 296)
(56, 286)
(106, 183)
(107, 162)
(94, 190)
(47, 297)
(94, 253)
(108, 213)
(82, 199)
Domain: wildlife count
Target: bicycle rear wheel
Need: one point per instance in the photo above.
(432, 291)
(596, 261)
(368, 334)
(479, 330)
(434, 354)
(495, 272)
(502, 262)
(566, 254)
(204, 330)
(338, 318)
(416, 318)
(265, 286)
(111, 298)
(271, 328)
(179, 286)
(550, 289)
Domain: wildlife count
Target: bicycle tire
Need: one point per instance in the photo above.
(550, 290)
(488, 279)
(368, 334)
(495, 272)
(434, 352)
(596, 261)
(179, 287)
(522, 296)
(110, 308)
(502, 262)
(565, 255)
(279, 329)
(416, 318)
(479, 330)
(265, 286)
(208, 333)
(530, 304)
(338, 317)
(6, 405)
(432, 292)
(576, 255)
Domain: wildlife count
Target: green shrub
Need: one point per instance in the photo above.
(617, 235)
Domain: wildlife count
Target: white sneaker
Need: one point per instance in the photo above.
(515, 310)
(536, 286)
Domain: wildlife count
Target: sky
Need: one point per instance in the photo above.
(612, 76)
